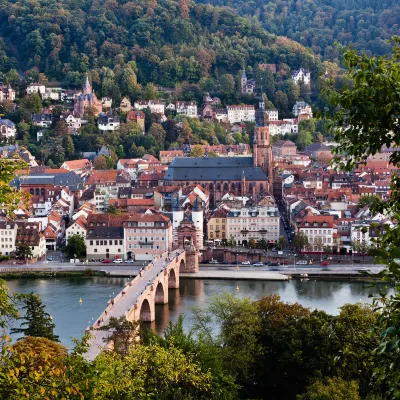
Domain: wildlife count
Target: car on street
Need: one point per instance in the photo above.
(258, 264)
(49, 258)
(246, 263)
(280, 253)
(117, 261)
(324, 263)
(131, 260)
(274, 264)
(267, 262)
(301, 262)
(214, 262)
(357, 261)
(106, 261)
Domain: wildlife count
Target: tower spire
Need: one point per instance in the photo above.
(87, 87)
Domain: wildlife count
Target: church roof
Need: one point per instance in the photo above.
(214, 168)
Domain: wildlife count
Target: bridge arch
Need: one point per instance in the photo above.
(172, 279)
(160, 296)
(145, 311)
(182, 266)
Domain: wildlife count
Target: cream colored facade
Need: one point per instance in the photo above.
(258, 223)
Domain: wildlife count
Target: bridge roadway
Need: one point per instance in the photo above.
(132, 297)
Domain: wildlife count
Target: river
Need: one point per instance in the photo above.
(61, 297)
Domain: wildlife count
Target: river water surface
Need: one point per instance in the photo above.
(61, 297)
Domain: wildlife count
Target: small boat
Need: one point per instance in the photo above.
(237, 288)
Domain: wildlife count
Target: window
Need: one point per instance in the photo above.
(91, 242)
(120, 242)
(97, 242)
(95, 250)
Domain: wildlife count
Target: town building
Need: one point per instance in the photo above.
(8, 235)
(43, 120)
(29, 234)
(147, 235)
(283, 148)
(6, 92)
(247, 85)
(167, 156)
(302, 76)
(36, 88)
(78, 227)
(155, 106)
(187, 108)
(220, 175)
(87, 99)
(80, 167)
(240, 113)
(125, 105)
(301, 107)
(320, 230)
(105, 242)
(108, 122)
(273, 114)
(138, 117)
(7, 128)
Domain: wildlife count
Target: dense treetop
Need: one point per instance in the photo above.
(366, 24)
(170, 41)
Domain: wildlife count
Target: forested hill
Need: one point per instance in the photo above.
(319, 23)
(170, 40)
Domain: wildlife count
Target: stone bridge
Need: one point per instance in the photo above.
(137, 300)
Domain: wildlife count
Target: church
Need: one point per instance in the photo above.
(87, 99)
(242, 176)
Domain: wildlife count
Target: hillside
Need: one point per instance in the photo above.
(170, 41)
(317, 24)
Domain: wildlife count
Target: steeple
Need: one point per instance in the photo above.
(197, 205)
(261, 115)
(175, 204)
(87, 87)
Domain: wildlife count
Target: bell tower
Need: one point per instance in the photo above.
(262, 146)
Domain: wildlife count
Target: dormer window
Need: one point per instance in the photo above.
(324, 224)
(315, 223)
(307, 224)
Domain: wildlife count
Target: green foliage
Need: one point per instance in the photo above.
(76, 247)
(331, 389)
(37, 322)
(368, 201)
(319, 23)
(23, 252)
(300, 241)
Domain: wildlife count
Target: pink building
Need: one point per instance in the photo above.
(87, 99)
(147, 235)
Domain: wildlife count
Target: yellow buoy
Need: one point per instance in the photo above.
(237, 288)
(80, 300)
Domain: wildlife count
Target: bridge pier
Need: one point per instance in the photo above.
(161, 294)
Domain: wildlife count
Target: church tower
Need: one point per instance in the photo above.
(262, 148)
(243, 81)
(87, 87)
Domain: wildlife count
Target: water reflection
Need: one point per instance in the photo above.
(61, 297)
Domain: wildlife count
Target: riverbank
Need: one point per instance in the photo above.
(48, 273)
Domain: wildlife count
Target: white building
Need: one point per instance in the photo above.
(272, 114)
(242, 113)
(299, 106)
(221, 115)
(282, 127)
(258, 223)
(36, 88)
(155, 106)
(78, 227)
(108, 122)
(29, 234)
(6, 92)
(73, 123)
(301, 76)
(106, 102)
(105, 242)
(7, 128)
(320, 231)
(52, 94)
(8, 234)
(188, 108)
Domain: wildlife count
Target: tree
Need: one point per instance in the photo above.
(369, 201)
(76, 247)
(23, 252)
(282, 242)
(186, 133)
(331, 389)
(124, 334)
(300, 241)
(100, 163)
(37, 322)
(252, 243)
(227, 84)
(158, 132)
(364, 117)
(197, 151)
(113, 210)
(303, 139)
(61, 129)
